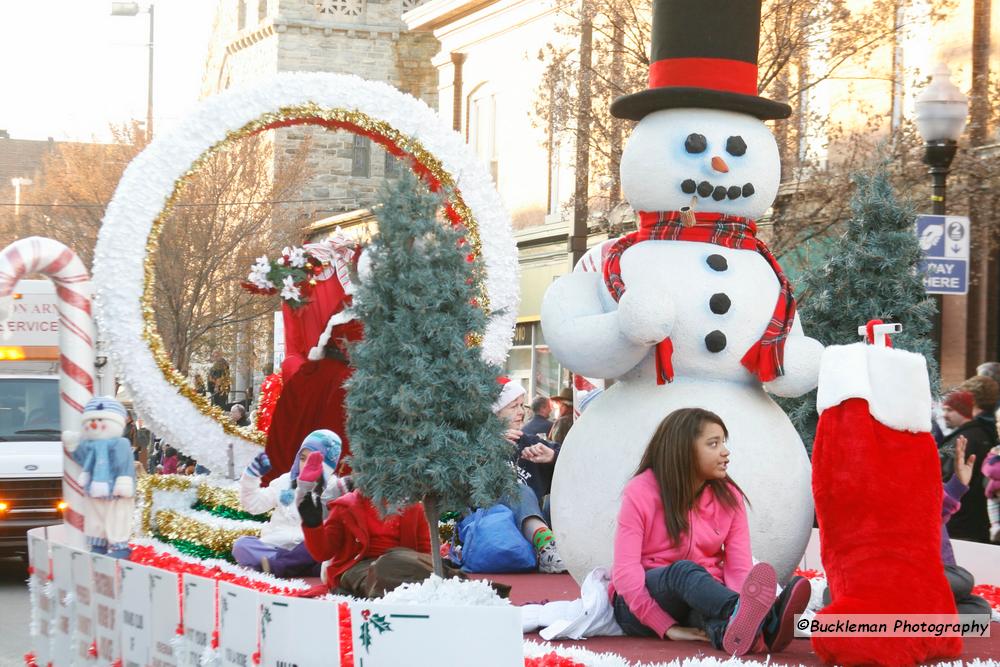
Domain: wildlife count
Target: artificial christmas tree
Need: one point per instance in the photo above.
(871, 275)
(419, 402)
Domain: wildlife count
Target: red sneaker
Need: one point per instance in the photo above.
(756, 598)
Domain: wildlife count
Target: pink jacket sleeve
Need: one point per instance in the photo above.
(739, 559)
(628, 575)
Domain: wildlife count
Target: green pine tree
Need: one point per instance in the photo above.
(420, 400)
(871, 274)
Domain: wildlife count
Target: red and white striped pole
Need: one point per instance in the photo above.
(63, 267)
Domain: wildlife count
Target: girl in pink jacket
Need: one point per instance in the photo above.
(682, 548)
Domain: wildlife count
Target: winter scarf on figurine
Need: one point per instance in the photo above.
(108, 475)
(766, 357)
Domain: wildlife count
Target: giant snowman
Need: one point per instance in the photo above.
(691, 310)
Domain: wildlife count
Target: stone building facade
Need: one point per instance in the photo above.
(255, 39)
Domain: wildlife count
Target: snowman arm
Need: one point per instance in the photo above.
(801, 363)
(581, 334)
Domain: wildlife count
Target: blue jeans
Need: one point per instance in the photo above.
(526, 505)
(687, 592)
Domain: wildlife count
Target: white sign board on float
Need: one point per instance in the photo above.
(134, 613)
(238, 614)
(83, 595)
(165, 594)
(34, 319)
(284, 621)
(105, 602)
(385, 635)
(62, 604)
(200, 609)
(41, 603)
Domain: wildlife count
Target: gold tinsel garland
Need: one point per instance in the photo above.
(300, 113)
(209, 495)
(176, 526)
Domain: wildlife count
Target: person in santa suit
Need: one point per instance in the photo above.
(313, 398)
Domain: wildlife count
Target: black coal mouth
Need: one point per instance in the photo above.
(716, 192)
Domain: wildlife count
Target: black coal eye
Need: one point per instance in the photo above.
(736, 146)
(695, 143)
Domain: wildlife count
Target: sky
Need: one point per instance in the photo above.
(68, 69)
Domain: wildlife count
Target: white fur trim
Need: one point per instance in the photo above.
(509, 392)
(99, 490)
(124, 487)
(150, 179)
(343, 317)
(894, 382)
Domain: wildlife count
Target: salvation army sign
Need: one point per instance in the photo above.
(944, 242)
(34, 319)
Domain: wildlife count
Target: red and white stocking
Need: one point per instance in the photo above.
(877, 487)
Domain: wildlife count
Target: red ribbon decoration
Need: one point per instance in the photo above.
(346, 635)
(147, 555)
(552, 660)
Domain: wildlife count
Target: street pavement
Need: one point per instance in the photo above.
(15, 612)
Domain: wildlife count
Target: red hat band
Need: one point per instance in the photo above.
(728, 76)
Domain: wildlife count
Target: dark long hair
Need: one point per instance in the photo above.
(670, 455)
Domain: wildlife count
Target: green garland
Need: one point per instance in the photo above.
(196, 550)
(230, 513)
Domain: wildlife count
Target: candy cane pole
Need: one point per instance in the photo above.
(76, 338)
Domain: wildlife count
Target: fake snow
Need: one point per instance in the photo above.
(446, 592)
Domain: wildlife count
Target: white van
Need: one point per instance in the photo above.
(31, 453)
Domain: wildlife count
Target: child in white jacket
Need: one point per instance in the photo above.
(280, 548)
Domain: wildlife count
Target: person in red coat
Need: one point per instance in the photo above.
(366, 554)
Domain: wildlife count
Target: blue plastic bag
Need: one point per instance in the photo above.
(491, 542)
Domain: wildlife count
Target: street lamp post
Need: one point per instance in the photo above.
(132, 9)
(941, 112)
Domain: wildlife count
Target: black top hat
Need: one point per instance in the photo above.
(704, 55)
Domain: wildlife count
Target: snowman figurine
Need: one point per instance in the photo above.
(107, 477)
(691, 310)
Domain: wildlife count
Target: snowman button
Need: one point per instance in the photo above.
(717, 262)
(715, 341)
(720, 303)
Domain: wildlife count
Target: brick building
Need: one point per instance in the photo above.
(255, 39)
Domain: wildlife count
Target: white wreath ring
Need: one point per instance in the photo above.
(151, 179)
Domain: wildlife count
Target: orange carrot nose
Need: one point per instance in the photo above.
(719, 164)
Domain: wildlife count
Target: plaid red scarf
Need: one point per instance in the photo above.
(766, 357)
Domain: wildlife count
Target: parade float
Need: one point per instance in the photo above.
(177, 599)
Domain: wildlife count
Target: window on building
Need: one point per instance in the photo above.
(392, 165)
(531, 362)
(241, 14)
(362, 158)
(261, 10)
(483, 128)
(340, 7)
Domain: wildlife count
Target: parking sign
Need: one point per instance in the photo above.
(944, 242)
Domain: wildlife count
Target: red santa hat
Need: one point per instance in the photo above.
(509, 391)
